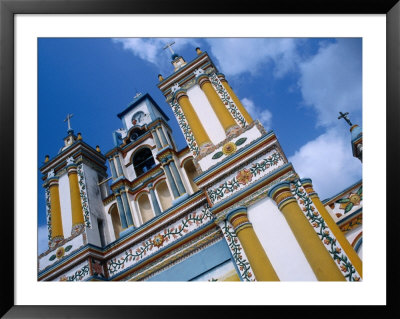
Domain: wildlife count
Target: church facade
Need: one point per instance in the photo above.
(228, 207)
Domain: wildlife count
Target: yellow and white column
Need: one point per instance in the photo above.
(199, 133)
(224, 116)
(340, 237)
(258, 259)
(235, 99)
(55, 210)
(76, 204)
(316, 254)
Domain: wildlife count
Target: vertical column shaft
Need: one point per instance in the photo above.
(315, 252)
(258, 259)
(121, 211)
(235, 99)
(178, 179)
(199, 133)
(163, 138)
(154, 201)
(341, 238)
(223, 114)
(120, 171)
(112, 167)
(128, 212)
(76, 204)
(171, 181)
(156, 139)
(55, 210)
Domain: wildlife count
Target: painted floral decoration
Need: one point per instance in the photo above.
(352, 200)
(158, 240)
(97, 268)
(60, 252)
(229, 148)
(63, 278)
(244, 176)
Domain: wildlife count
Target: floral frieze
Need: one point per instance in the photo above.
(245, 176)
(159, 241)
(84, 196)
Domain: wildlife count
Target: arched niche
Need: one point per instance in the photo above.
(164, 195)
(191, 173)
(116, 222)
(143, 161)
(145, 208)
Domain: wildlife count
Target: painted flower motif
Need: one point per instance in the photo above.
(343, 268)
(158, 240)
(356, 278)
(229, 148)
(338, 250)
(244, 176)
(327, 241)
(63, 278)
(60, 252)
(352, 200)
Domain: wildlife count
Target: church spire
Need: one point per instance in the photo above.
(177, 60)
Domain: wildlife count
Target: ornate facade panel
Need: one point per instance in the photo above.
(84, 196)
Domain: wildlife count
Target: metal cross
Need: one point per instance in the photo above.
(67, 119)
(169, 45)
(344, 116)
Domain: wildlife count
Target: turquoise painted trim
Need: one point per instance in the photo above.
(145, 182)
(342, 192)
(127, 231)
(155, 136)
(233, 157)
(128, 212)
(122, 216)
(274, 188)
(163, 149)
(358, 245)
(113, 170)
(250, 188)
(196, 265)
(156, 206)
(176, 201)
(236, 210)
(178, 179)
(160, 251)
(347, 218)
(163, 138)
(171, 181)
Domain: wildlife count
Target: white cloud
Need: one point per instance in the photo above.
(240, 55)
(263, 115)
(42, 239)
(331, 81)
(152, 49)
(329, 162)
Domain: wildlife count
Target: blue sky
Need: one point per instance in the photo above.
(294, 86)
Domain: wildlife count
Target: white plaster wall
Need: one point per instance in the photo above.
(65, 203)
(206, 114)
(96, 207)
(279, 242)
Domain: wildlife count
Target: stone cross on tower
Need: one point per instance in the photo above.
(344, 116)
(169, 46)
(67, 119)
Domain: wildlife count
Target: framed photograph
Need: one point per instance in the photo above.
(161, 143)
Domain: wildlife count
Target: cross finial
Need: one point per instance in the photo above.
(67, 119)
(344, 116)
(169, 46)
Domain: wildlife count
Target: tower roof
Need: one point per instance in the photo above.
(137, 101)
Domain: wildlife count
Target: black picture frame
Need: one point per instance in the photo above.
(8, 10)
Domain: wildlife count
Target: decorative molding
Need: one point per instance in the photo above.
(227, 100)
(48, 215)
(245, 176)
(324, 233)
(237, 251)
(78, 275)
(184, 125)
(153, 244)
(84, 196)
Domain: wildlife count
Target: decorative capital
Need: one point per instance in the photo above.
(202, 79)
(198, 72)
(175, 87)
(179, 94)
(281, 194)
(238, 218)
(51, 174)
